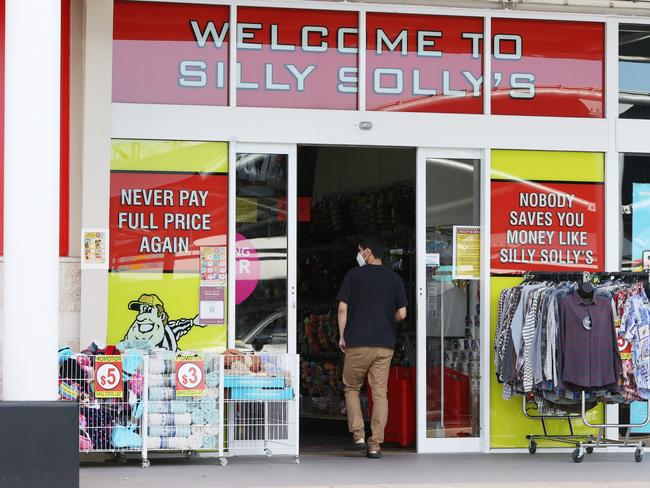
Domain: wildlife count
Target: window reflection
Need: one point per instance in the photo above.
(634, 71)
(261, 251)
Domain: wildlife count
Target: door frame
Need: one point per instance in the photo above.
(436, 445)
(265, 148)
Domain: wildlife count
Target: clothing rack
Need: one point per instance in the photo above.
(585, 443)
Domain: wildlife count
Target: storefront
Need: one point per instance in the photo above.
(245, 162)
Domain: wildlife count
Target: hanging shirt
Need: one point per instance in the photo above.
(636, 327)
(588, 350)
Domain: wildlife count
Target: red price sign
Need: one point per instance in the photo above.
(108, 377)
(190, 376)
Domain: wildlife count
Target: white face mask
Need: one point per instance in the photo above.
(360, 260)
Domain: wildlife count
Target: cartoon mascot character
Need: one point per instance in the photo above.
(152, 323)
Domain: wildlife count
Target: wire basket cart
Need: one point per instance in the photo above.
(260, 405)
(184, 411)
(111, 391)
(584, 443)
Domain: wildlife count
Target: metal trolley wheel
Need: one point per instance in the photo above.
(638, 454)
(532, 447)
(146, 463)
(296, 460)
(590, 450)
(578, 455)
(268, 452)
(223, 461)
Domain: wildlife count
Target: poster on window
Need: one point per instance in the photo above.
(547, 211)
(94, 249)
(168, 232)
(466, 252)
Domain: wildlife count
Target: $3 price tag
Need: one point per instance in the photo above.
(190, 375)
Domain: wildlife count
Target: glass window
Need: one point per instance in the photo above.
(634, 71)
(170, 53)
(635, 198)
(168, 208)
(261, 252)
(453, 308)
(297, 58)
(559, 75)
(424, 63)
(547, 211)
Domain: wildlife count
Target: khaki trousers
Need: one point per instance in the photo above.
(375, 362)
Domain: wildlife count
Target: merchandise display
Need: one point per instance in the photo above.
(557, 338)
(135, 398)
(181, 422)
(105, 422)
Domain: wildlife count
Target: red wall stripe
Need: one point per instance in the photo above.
(64, 197)
(2, 124)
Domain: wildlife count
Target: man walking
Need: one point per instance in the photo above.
(371, 299)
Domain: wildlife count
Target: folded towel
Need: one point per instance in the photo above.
(209, 442)
(198, 416)
(170, 431)
(195, 441)
(212, 379)
(161, 366)
(212, 417)
(161, 393)
(175, 443)
(207, 403)
(156, 419)
(205, 429)
(157, 380)
(175, 406)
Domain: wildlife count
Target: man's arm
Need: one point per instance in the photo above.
(400, 314)
(343, 320)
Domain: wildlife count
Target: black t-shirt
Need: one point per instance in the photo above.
(373, 293)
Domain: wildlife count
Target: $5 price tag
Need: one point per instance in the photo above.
(108, 377)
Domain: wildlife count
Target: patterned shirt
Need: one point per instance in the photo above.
(636, 327)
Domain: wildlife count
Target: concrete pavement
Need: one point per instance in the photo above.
(395, 470)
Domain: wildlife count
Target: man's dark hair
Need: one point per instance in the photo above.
(374, 243)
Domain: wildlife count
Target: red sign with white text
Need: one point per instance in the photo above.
(155, 217)
(190, 376)
(170, 53)
(547, 226)
(547, 67)
(108, 377)
(424, 63)
(297, 58)
(302, 58)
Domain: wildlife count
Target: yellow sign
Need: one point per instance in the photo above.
(467, 252)
(162, 307)
(246, 210)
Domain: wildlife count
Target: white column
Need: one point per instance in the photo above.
(96, 178)
(31, 219)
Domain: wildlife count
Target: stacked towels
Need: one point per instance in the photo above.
(182, 423)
